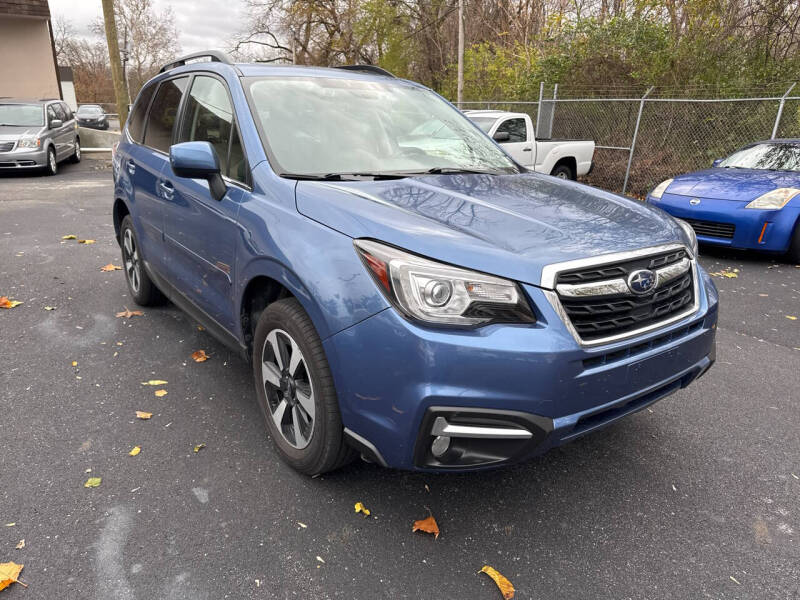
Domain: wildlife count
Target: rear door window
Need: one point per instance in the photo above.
(164, 114)
(59, 111)
(208, 117)
(137, 118)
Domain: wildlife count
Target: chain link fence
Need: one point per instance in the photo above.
(640, 141)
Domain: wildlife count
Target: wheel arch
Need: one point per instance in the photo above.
(120, 211)
(569, 161)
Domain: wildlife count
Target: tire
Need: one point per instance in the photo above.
(76, 156)
(307, 434)
(51, 168)
(143, 291)
(563, 171)
(794, 246)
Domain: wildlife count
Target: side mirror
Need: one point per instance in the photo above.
(717, 162)
(56, 123)
(198, 160)
(501, 136)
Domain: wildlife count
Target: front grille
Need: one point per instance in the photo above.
(600, 316)
(712, 229)
(6, 146)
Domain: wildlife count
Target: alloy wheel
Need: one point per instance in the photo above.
(131, 258)
(290, 393)
(51, 161)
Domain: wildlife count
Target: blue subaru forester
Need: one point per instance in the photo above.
(404, 290)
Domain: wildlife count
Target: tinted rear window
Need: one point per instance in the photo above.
(136, 118)
(164, 113)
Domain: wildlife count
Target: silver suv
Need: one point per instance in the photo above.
(37, 134)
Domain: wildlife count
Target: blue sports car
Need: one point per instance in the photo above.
(749, 200)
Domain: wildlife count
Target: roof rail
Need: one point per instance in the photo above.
(366, 69)
(214, 55)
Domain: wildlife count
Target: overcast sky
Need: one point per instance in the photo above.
(202, 24)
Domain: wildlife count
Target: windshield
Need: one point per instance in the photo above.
(90, 110)
(774, 156)
(485, 123)
(317, 126)
(21, 115)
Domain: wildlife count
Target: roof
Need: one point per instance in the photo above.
(25, 8)
(41, 101)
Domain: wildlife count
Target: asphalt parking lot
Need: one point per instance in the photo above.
(696, 497)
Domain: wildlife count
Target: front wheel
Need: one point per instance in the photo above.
(51, 168)
(563, 172)
(295, 390)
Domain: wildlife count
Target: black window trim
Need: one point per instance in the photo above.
(155, 86)
(179, 121)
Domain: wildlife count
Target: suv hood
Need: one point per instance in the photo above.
(742, 185)
(507, 225)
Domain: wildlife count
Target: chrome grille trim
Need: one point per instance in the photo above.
(610, 287)
(550, 274)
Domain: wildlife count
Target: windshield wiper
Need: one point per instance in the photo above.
(343, 176)
(457, 170)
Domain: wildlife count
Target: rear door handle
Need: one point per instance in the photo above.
(526, 149)
(131, 166)
(167, 190)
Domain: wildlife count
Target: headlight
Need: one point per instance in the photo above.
(661, 188)
(29, 142)
(690, 234)
(434, 292)
(774, 200)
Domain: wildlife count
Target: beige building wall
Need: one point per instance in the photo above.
(27, 69)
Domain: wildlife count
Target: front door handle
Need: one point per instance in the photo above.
(167, 190)
(526, 149)
(131, 166)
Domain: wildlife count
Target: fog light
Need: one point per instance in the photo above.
(440, 445)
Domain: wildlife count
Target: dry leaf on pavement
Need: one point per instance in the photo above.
(86, 241)
(21, 544)
(427, 525)
(6, 303)
(198, 448)
(93, 482)
(111, 267)
(360, 508)
(49, 307)
(504, 584)
(791, 317)
(129, 313)
(199, 356)
(69, 237)
(155, 382)
(160, 393)
(9, 573)
(140, 414)
(135, 450)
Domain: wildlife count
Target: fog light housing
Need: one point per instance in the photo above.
(440, 445)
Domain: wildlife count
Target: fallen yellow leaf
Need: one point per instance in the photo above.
(129, 313)
(20, 545)
(199, 356)
(135, 450)
(86, 241)
(427, 525)
(111, 267)
(10, 524)
(360, 508)
(74, 363)
(140, 414)
(69, 237)
(198, 448)
(791, 317)
(93, 482)
(502, 583)
(6, 303)
(9, 572)
(49, 307)
(160, 393)
(155, 382)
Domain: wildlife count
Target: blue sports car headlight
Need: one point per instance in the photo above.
(774, 200)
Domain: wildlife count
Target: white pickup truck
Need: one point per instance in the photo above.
(567, 159)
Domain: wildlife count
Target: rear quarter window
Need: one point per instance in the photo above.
(138, 114)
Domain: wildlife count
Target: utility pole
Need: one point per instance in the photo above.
(460, 92)
(120, 88)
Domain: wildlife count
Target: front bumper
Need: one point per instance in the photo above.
(22, 158)
(769, 230)
(395, 379)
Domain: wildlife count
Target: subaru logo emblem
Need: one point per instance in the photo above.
(642, 282)
(694, 201)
